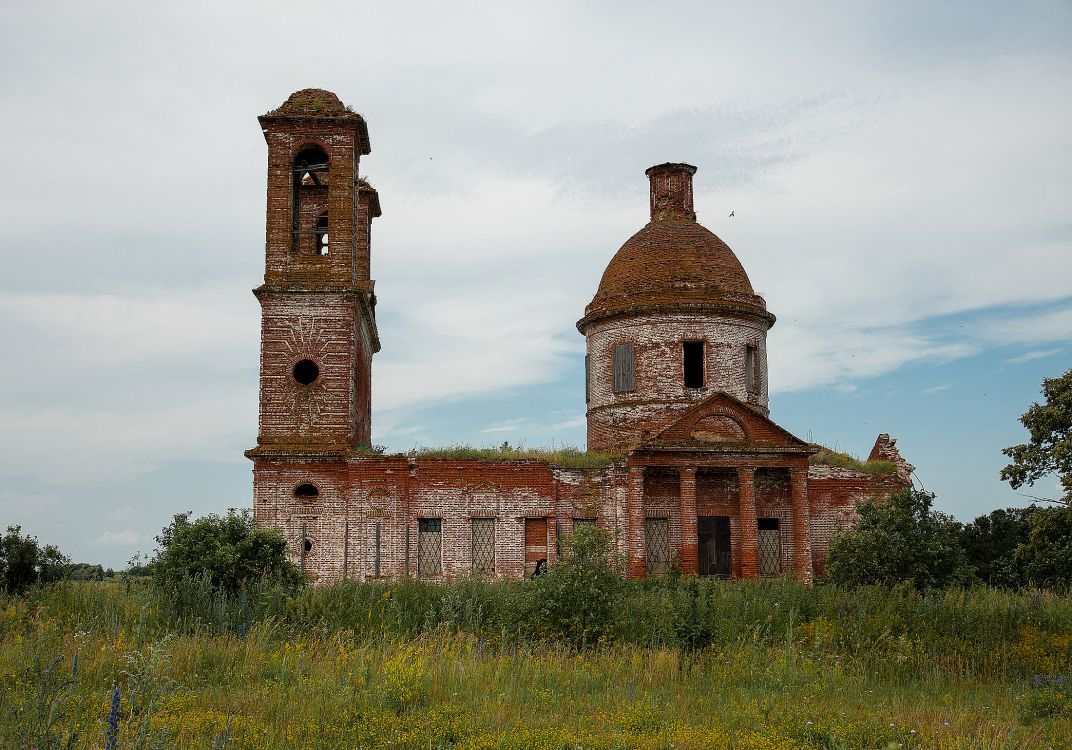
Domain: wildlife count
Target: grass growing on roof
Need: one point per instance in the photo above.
(566, 456)
(830, 457)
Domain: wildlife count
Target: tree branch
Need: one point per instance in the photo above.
(1045, 499)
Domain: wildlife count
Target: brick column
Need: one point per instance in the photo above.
(690, 561)
(749, 532)
(637, 566)
(798, 485)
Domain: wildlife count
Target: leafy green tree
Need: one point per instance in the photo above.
(1050, 449)
(85, 572)
(576, 598)
(228, 550)
(1045, 558)
(990, 541)
(900, 540)
(24, 562)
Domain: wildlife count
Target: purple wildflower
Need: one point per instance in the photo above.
(111, 733)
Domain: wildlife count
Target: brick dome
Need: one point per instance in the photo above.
(673, 262)
(312, 103)
(318, 107)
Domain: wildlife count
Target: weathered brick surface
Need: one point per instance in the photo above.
(661, 396)
(834, 494)
(690, 453)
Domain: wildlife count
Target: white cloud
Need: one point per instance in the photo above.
(572, 423)
(509, 425)
(1031, 356)
(934, 390)
(121, 538)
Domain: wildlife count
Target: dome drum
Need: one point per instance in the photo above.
(674, 320)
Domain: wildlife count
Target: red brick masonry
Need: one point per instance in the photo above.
(702, 477)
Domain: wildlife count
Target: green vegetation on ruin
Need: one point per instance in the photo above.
(830, 457)
(566, 456)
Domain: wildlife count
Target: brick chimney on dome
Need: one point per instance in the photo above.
(671, 191)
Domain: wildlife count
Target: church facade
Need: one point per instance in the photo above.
(696, 475)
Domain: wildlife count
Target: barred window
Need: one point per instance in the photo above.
(657, 545)
(770, 547)
(429, 547)
(483, 545)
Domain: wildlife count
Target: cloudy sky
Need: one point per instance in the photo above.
(900, 175)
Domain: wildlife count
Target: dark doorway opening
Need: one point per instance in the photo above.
(713, 534)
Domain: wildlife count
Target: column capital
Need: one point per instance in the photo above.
(747, 473)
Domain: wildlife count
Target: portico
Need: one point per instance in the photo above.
(722, 492)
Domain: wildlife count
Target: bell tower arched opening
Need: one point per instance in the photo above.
(309, 210)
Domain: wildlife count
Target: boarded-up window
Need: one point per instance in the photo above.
(535, 544)
(579, 522)
(770, 547)
(751, 378)
(624, 369)
(657, 545)
(587, 380)
(693, 363)
(483, 545)
(429, 547)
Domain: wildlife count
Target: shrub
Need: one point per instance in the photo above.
(1045, 557)
(229, 551)
(575, 600)
(990, 541)
(900, 540)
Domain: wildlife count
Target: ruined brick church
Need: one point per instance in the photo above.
(676, 391)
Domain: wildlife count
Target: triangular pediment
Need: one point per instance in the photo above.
(722, 422)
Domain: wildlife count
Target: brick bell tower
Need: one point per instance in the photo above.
(318, 322)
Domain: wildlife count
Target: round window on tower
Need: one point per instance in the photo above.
(306, 371)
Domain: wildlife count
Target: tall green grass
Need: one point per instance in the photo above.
(685, 664)
(979, 632)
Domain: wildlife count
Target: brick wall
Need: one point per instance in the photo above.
(660, 395)
(834, 494)
(391, 493)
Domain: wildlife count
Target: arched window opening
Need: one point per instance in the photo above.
(307, 546)
(306, 491)
(310, 201)
(322, 234)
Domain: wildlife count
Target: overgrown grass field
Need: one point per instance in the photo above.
(676, 664)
